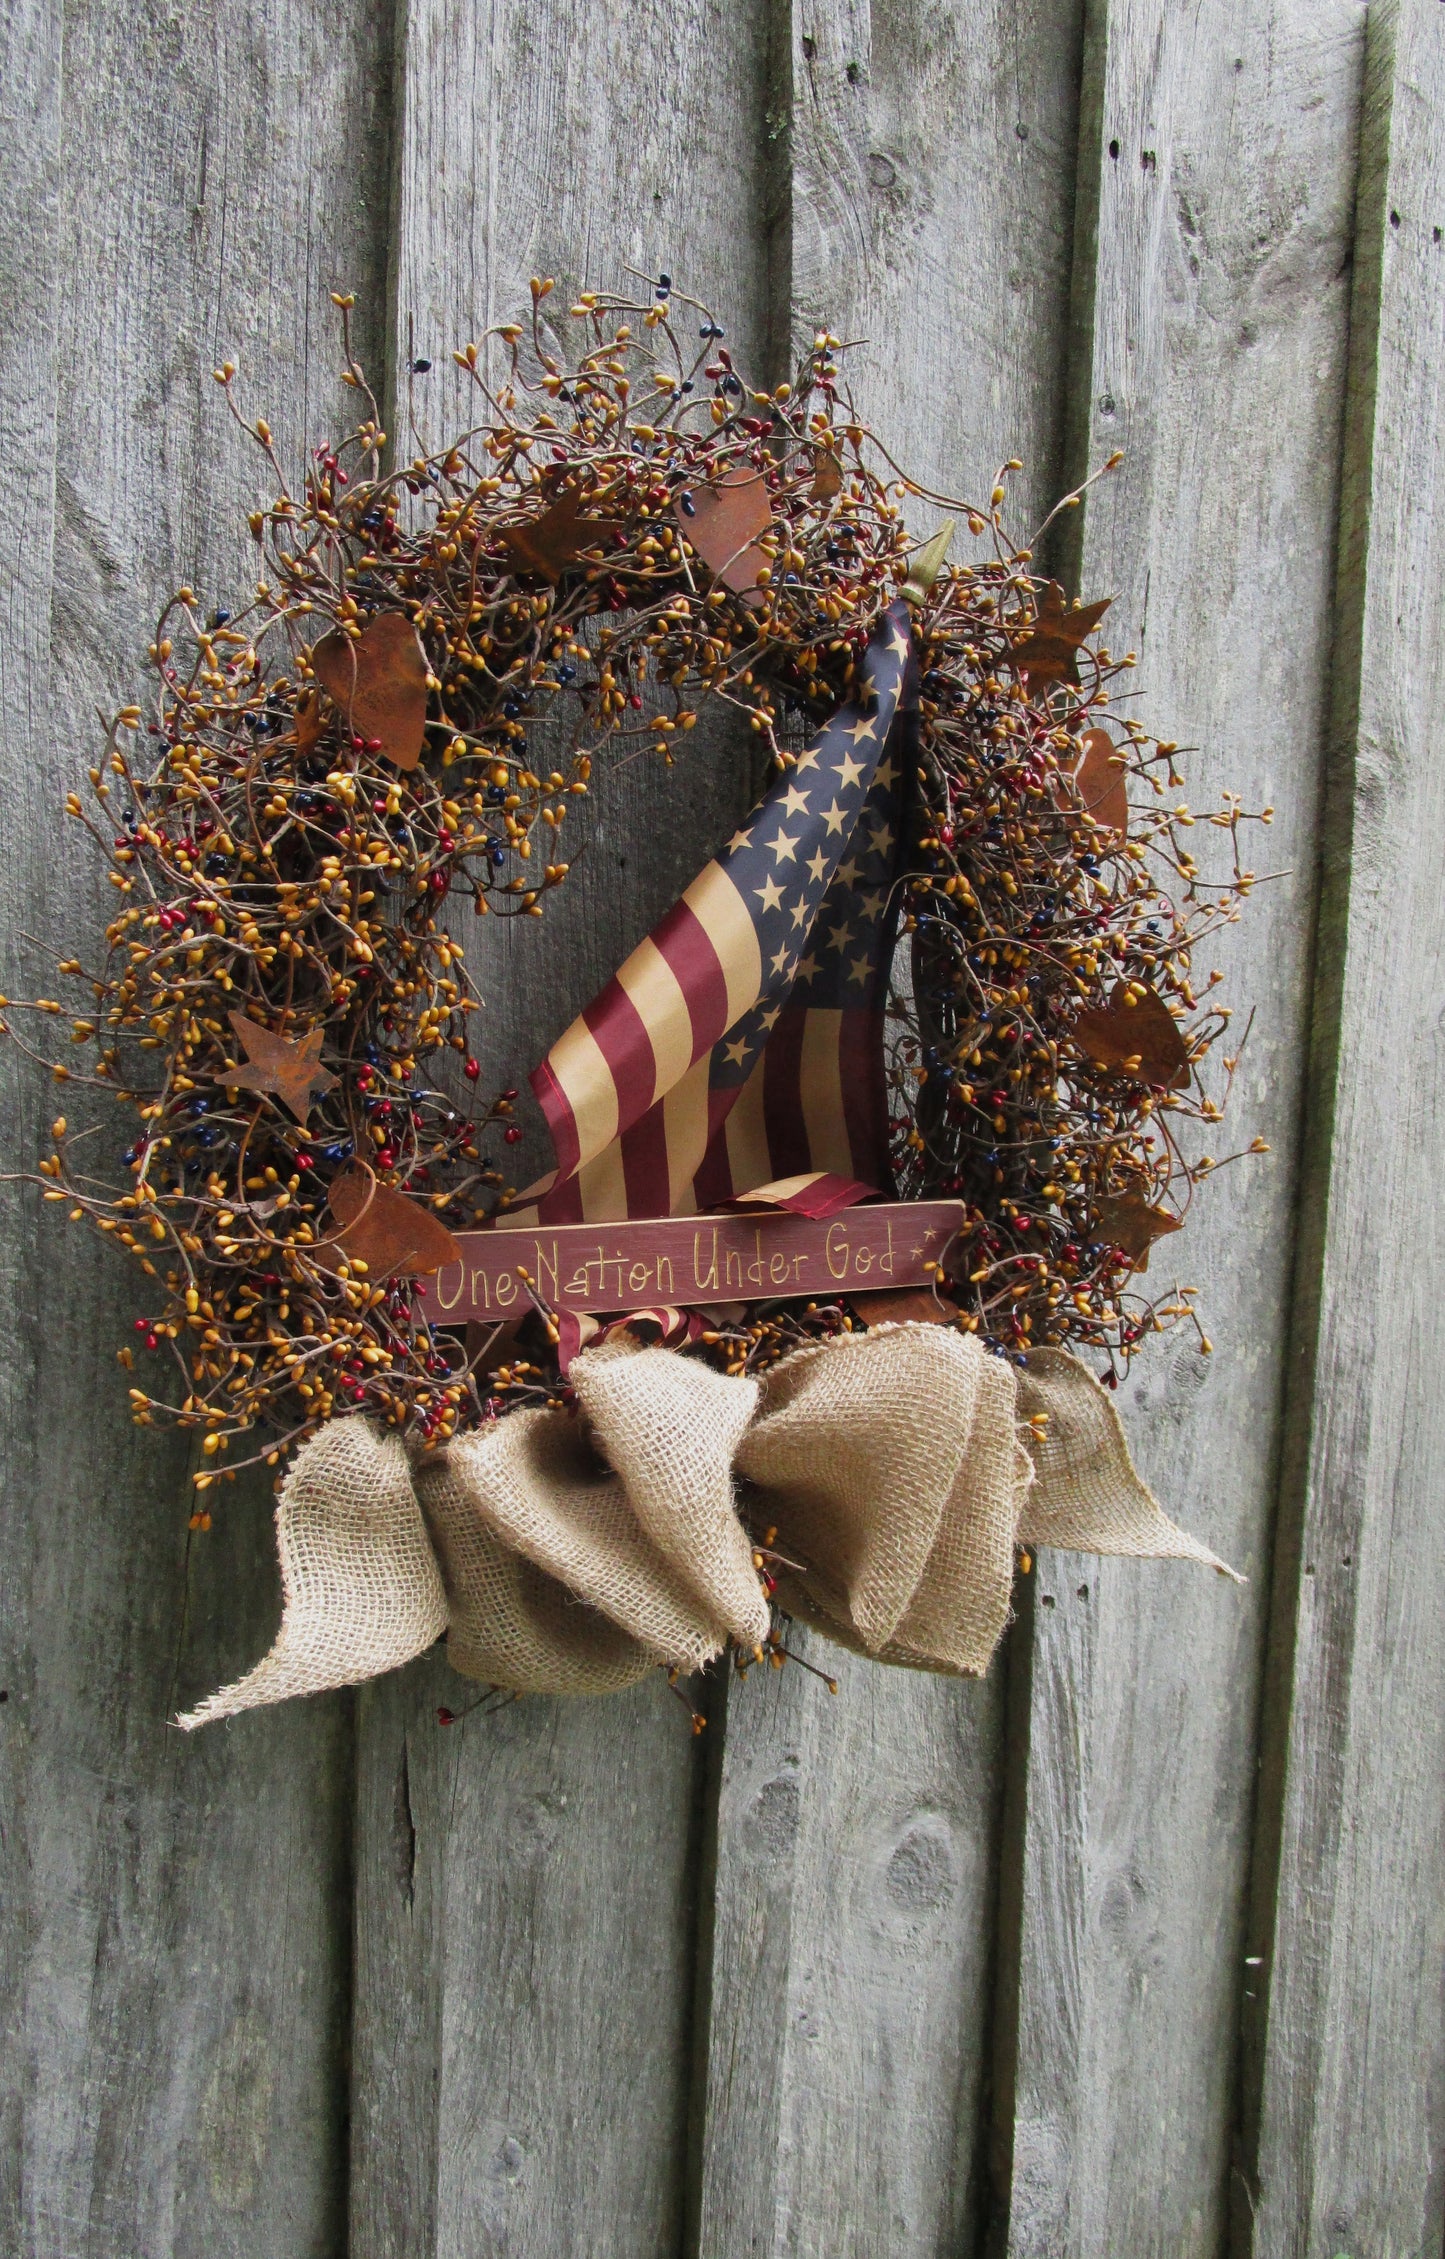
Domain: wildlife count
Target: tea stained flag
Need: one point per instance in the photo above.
(742, 1041)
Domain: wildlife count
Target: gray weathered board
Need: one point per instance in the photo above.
(1137, 1948)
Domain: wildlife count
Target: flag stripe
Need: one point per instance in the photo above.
(644, 1162)
(820, 1093)
(714, 901)
(685, 1110)
(865, 1099)
(576, 1092)
(746, 1135)
(787, 1130)
(624, 1040)
(661, 1003)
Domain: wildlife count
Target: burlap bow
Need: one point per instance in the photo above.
(572, 1556)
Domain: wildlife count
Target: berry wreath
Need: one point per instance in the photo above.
(329, 775)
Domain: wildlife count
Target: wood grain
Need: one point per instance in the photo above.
(1345, 2093)
(522, 2039)
(1211, 320)
(930, 176)
(175, 1911)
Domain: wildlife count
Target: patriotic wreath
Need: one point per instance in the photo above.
(332, 780)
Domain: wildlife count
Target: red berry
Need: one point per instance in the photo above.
(472, 1069)
(513, 1135)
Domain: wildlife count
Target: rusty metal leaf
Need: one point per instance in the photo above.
(380, 684)
(1099, 782)
(827, 476)
(1142, 1041)
(382, 1228)
(725, 523)
(308, 722)
(549, 544)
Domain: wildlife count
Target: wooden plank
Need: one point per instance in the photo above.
(1345, 2087)
(524, 1881)
(931, 155)
(30, 48)
(178, 185)
(1211, 321)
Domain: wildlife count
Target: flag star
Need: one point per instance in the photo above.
(784, 849)
(770, 894)
(739, 839)
(807, 967)
(864, 729)
(899, 643)
(871, 901)
(770, 1015)
(859, 969)
(840, 935)
(849, 771)
(835, 817)
(886, 771)
(882, 836)
(818, 864)
(801, 913)
(808, 759)
(780, 961)
(795, 802)
(848, 873)
(737, 1052)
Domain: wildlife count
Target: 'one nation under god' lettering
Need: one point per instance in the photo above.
(685, 1260)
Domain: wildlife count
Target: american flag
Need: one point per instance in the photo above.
(740, 1047)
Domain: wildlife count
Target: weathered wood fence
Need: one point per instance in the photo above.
(1136, 1948)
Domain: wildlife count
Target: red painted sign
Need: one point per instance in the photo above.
(686, 1260)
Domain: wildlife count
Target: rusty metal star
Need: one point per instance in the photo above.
(279, 1066)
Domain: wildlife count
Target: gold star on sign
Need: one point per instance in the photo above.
(849, 771)
(278, 1067)
(770, 894)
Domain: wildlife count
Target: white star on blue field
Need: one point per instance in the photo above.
(815, 861)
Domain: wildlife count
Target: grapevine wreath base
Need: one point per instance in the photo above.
(387, 743)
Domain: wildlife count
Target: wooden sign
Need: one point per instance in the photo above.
(680, 1261)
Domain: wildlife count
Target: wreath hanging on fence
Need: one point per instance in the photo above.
(333, 779)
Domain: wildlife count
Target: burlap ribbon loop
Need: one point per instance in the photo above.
(572, 1556)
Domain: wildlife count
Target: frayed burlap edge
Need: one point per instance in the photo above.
(573, 1558)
